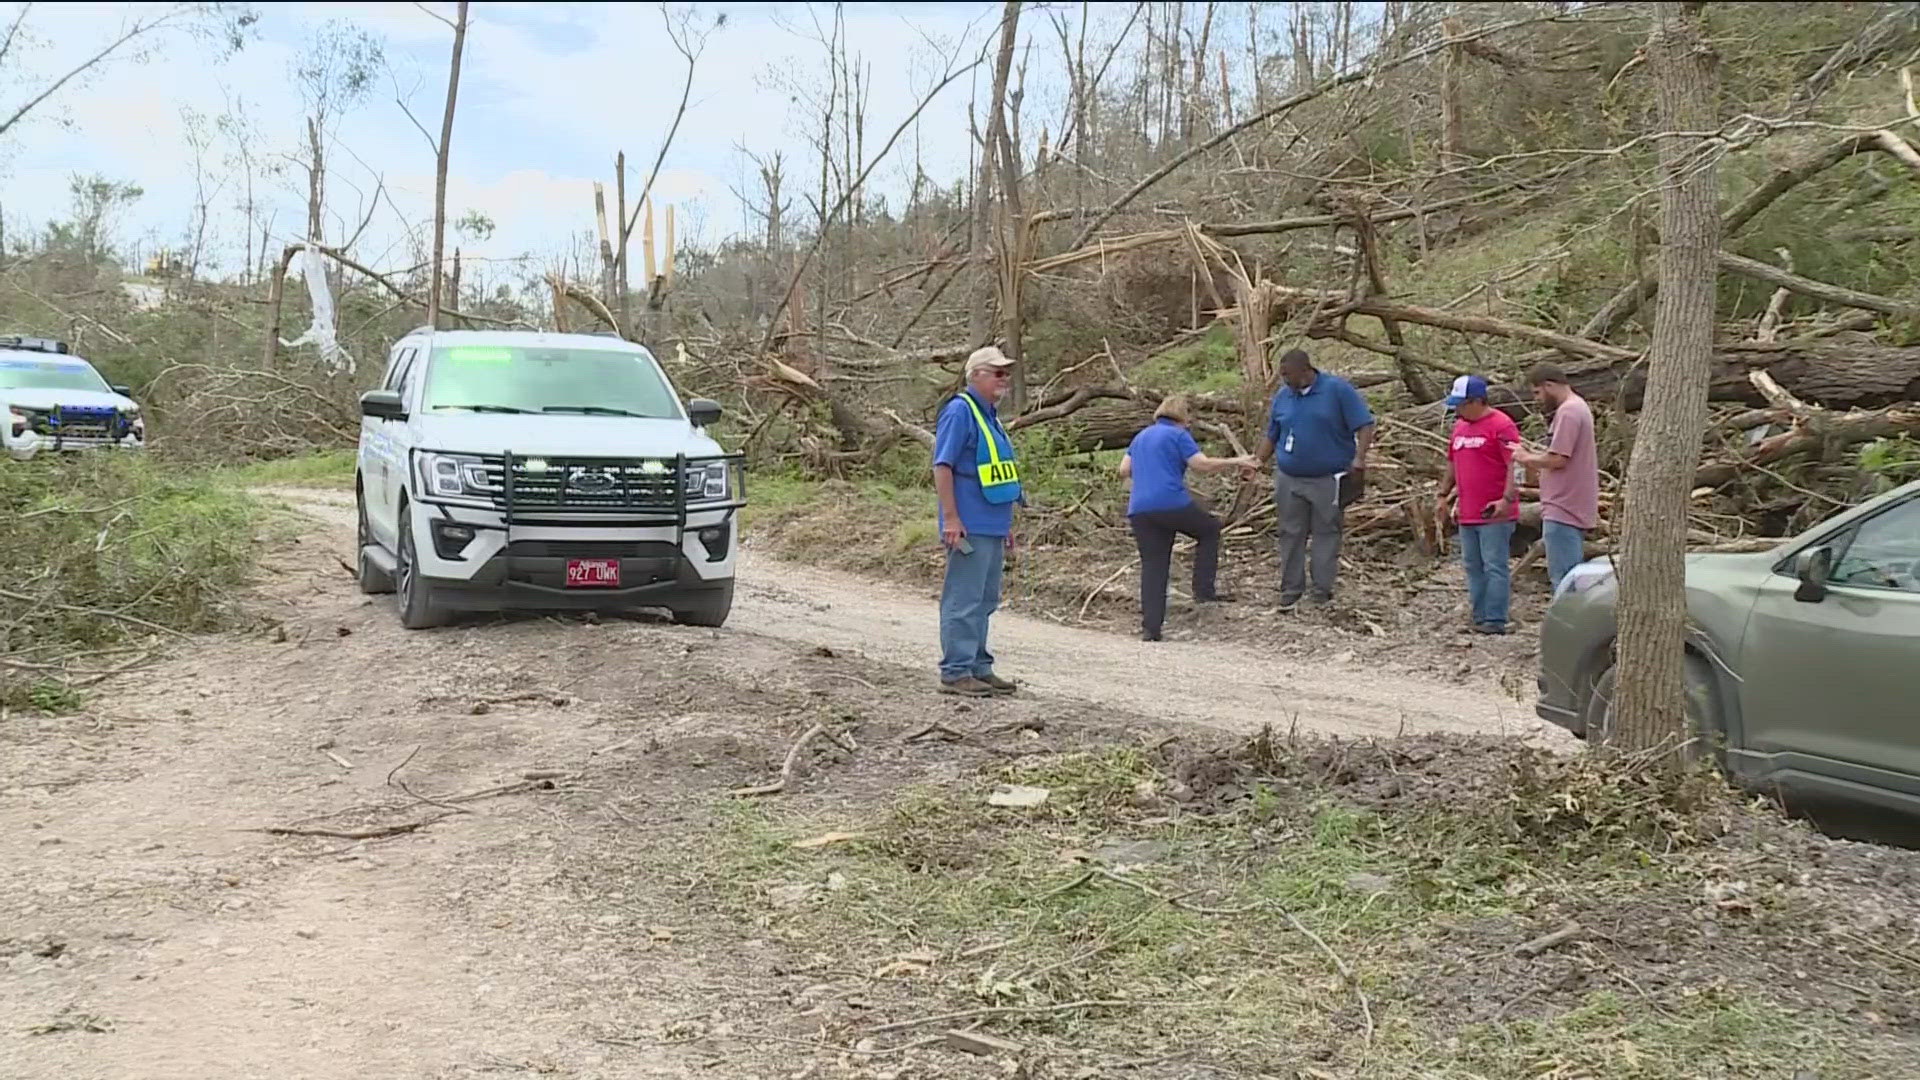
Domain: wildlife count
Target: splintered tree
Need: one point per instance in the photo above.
(1666, 449)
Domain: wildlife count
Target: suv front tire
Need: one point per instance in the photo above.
(414, 594)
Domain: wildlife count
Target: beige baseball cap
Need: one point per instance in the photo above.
(987, 356)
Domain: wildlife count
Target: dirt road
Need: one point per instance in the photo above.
(150, 929)
(1216, 684)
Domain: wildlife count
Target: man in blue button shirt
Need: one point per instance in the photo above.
(1319, 430)
(976, 480)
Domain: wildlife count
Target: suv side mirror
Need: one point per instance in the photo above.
(123, 391)
(1813, 568)
(703, 412)
(383, 405)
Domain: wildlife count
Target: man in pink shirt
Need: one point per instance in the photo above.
(1569, 472)
(1480, 466)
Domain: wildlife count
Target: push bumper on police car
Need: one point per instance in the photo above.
(547, 532)
(64, 429)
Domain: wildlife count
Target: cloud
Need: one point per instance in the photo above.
(549, 94)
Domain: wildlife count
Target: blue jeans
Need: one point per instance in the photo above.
(1566, 548)
(1483, 550)
(967, 601)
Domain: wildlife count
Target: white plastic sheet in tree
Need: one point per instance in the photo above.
(321, 333)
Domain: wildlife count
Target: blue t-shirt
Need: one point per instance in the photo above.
(1312, 433)
(1160, 456)
(956, 439)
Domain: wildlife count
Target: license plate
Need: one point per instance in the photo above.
(593, 573)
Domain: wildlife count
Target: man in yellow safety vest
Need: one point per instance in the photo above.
(977, 479)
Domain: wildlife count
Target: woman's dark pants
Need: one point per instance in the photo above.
(1154, 532)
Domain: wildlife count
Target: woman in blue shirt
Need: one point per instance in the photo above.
(1160, 507)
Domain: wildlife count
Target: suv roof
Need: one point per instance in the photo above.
(550, 338)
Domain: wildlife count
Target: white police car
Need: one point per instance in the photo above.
(57, 402)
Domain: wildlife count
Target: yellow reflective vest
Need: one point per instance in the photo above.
(994, 459)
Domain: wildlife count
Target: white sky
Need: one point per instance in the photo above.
(549, 92)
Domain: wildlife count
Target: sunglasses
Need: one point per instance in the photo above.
(1002, 373)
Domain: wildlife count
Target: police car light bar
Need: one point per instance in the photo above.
(32, 344)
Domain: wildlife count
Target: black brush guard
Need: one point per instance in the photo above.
(604, 492)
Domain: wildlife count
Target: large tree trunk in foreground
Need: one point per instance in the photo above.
(1653, 606)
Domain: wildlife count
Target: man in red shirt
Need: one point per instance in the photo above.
(1480, 466)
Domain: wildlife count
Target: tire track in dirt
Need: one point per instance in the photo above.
(1217, 684)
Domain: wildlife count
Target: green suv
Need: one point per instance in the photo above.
(1803, 662)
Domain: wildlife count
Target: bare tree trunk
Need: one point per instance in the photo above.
(1302, 30)
(316, 180)
(620, 224)
(608, 274)
(1253, 57)
(440, 165)
(1453, 124)
(979, 318)
(1013, 248)
(1197, 91)
(771, 175)
(453, 285)
(1653, 609)
(276, 296)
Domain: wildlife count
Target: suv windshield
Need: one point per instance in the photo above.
(50, 375)
(534, 379)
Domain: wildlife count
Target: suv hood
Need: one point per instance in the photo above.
(39, 398)
(561, 435)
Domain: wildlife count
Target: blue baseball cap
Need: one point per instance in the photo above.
(1466, 388)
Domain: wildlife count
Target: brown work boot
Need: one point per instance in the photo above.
(966, 687)
(999, 685)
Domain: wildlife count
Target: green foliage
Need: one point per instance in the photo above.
(1209, 364)
(52, 698)
(322, 468)
(1891, 462)
(105, 547)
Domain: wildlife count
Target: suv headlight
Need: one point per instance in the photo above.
(1588, 575)
(17, 423)
(451, 476)
(710, 481)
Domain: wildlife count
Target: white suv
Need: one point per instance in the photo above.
(57, 402)
(526, 470)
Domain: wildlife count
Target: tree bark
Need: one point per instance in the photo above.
(1819, 290)
(979, 317)
(1453, 122)
(276, 298)
(1016, 230)
(440, 166)
(1648, 701)
(1410, 373)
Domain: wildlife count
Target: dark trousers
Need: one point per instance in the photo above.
(1154, 532)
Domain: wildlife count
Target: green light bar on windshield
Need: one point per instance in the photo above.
(475, 354)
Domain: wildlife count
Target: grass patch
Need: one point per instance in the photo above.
(104, 554)
(1210, 364)
(1221, 888)
(322, 468)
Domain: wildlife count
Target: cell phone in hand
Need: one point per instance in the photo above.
(965, 546)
